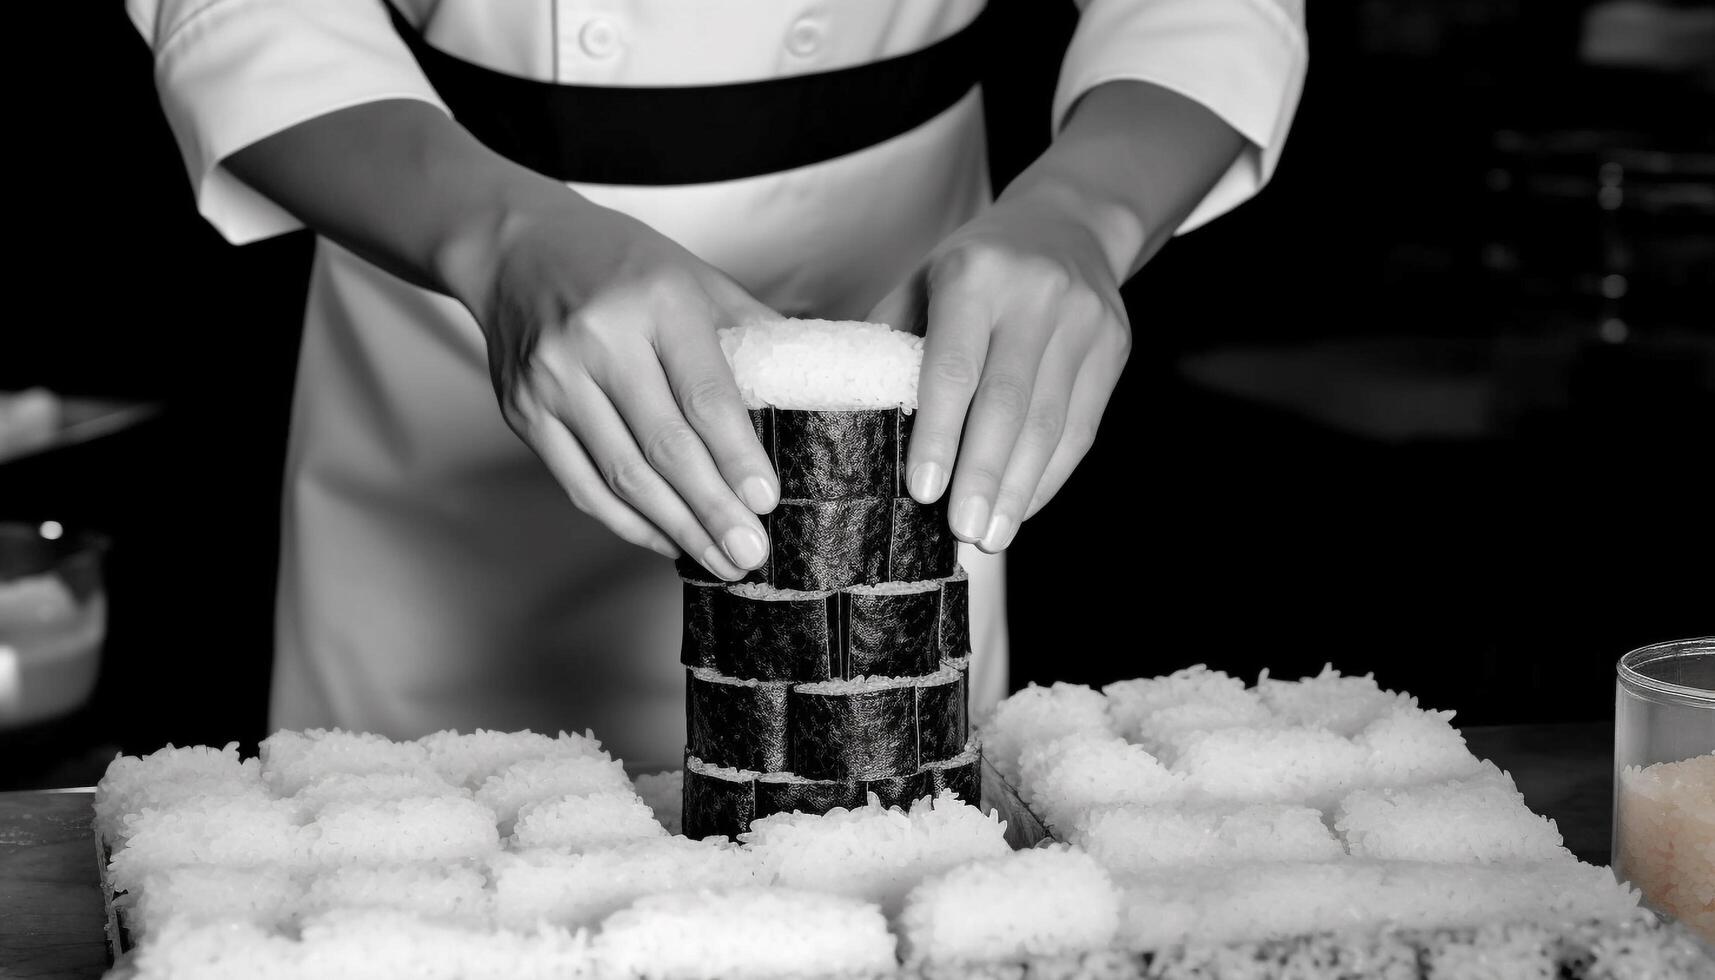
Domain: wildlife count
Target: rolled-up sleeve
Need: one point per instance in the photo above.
(231, 72)
(1244, 60)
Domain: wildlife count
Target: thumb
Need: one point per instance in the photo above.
(906, 308)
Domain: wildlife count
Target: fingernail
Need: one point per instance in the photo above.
(745, 546)
(927, 481)
(758, 494)
(999, 534)
(971, 518)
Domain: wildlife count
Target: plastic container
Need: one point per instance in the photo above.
(1664, 779)
(53, 619)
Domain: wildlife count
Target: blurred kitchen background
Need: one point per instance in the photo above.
(1440, 404)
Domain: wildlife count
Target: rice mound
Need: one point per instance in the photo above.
(823, 365)
(581, 823)
(292, 760)
(189, 949)
(452, 893)
(1480, 819)
(1149, 710)
(468, 759)
(533, 780)
(241, 833)
(170, 776)
(380, 944)
(1038, 715)
(1040, 902)
(1342, 704)
(532, 887)
(1132, 838)
(420, 828)
(335, 787)
(873, 852)
(1300, 764)
(748, 932)
(1071, 775)
(664, 793)
(269, 896)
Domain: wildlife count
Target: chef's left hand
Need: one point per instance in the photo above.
(1025, 339)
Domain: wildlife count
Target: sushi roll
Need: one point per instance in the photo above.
(784, 792)
(962, 666)
(921, 544)
(770, 634)
(940, 714)
(901, 791)
(954, 627)
(719, 801)
(697, 647)
(890, 629)
(736, 723)
(832, 455)
(830, 544)
(962, 774)
(869, 728)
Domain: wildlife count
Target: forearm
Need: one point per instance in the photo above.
(1131, 163)
(399, 183)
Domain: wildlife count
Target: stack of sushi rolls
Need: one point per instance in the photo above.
(838, 668)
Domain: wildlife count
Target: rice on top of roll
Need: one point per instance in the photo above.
(823, 365)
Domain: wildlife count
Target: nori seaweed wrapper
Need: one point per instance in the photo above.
(921, 546)
(829, 544)
(904, 423)
(692, 570)
(963, 666)
(901, 791)
(793, 639)
(955, 624)
(941, 720)
(890, 634)
(806, 795)
(964, 778)
(736, 725)
(832, 455)
(697, 647)
(862, 735)
(717, 806)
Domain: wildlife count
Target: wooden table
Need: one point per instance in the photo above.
(51, 912)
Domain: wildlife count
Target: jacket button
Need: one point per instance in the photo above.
(599, 38)
(805, 38)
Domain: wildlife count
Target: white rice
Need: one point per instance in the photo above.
(469, 759)
(1343, 705)
(336, 787)
(243, 832)
(896, 588)
(1042, 902)
(1037, 716)
(873, 852)
(865, 684)
(823, 365)
(1152, 710)
(292, 760)
(191, 949)
(1666, 843)
(421, 828)
(268, 896)
(1131, 839)
(664, 793)
(533, 780)
(1411, 745)
(583, 823)
(1480, 819)
(744, 932)
(384, 944)
(1068, 776)
(1271, 765)
(170, 776)
(454, 893)
(582, 889)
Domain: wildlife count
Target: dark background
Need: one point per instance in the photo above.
(1388, 415)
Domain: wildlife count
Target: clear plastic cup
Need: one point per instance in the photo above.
(53, 619)
(1664, 779)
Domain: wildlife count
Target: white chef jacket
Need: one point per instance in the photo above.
(432, 572)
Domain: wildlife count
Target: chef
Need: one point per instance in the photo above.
(532, 217)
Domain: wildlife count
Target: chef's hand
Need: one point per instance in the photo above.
(602, 347)
(1026, 337)
(1025, 334)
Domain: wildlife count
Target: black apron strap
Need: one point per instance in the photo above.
(699, 134)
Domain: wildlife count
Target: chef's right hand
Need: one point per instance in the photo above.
(602, 348)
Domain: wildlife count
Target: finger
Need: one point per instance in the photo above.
(1037, 438)
(675, 451)
(572, 467)
(954, 349)
(905, 307)
(708, 398)
(598, 426)
(1090, 393)
(998, 410)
